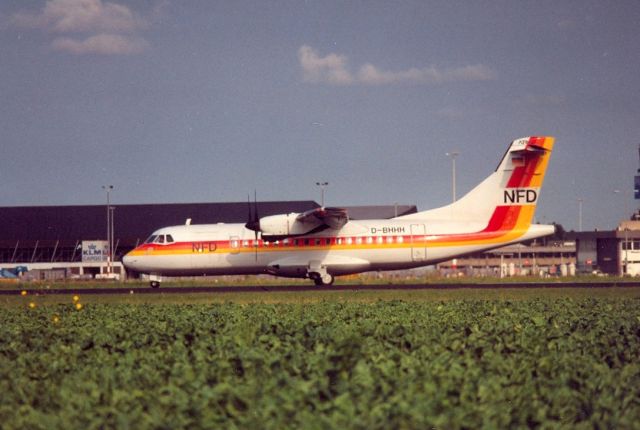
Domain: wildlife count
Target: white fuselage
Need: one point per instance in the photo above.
(214, 249)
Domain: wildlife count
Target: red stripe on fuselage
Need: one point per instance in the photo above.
(503, 218)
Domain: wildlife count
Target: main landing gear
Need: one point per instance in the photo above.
(318, 273)
(326, 279)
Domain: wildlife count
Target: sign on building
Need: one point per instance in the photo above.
(94, 250)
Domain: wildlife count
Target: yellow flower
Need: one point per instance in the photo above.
(32, 305)
(78, 306)
(23, 292)
(76, 298)
(56, 319)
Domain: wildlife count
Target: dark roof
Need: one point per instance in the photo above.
(131, 222)
(135, 222)
(602, 234)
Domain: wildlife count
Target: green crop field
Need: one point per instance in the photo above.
(458, 362)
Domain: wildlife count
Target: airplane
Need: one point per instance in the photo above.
(323, 243)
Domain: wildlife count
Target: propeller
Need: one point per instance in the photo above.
(253, 222)
(254, 219)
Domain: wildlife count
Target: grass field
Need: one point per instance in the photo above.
(358, 296)
(460, 358)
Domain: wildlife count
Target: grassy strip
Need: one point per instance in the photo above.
(263, 280)
(355, 296)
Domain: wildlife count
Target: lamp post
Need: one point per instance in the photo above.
(108, 189)
(453, 155)
(580, 201)
(322, 186)
(112, 249)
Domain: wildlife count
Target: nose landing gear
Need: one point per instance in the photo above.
(154, 281)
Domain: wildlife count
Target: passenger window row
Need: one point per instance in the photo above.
(319, 241)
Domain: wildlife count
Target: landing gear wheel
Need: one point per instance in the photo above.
(320, 280)
(154, 284)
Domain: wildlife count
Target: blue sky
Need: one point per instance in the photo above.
(205, 101)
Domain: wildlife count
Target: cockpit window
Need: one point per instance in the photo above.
(160, 238)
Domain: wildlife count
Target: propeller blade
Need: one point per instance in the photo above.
(254, 220)
(250, 216)
(255, 201)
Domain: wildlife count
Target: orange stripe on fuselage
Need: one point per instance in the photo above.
(506, 223)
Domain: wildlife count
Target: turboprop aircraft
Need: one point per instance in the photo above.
(323, 243)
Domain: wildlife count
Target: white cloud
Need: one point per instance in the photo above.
(88, 26)
(89, 15)
(333, 69)
(370, 74)
(108, 44)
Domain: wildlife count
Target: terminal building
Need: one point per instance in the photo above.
(610, 252)
(541, 258)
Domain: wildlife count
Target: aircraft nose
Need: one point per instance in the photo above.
(129, 261)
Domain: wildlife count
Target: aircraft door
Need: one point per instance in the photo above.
(234, 244)
(418, 244)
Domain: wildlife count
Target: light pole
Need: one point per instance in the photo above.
(108, 189)
(322, 186)
(580, 201)
(112, 249)
(453, 155)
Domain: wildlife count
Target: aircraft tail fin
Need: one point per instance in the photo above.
(506, 199)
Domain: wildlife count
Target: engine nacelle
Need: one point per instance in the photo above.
(285, 225)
